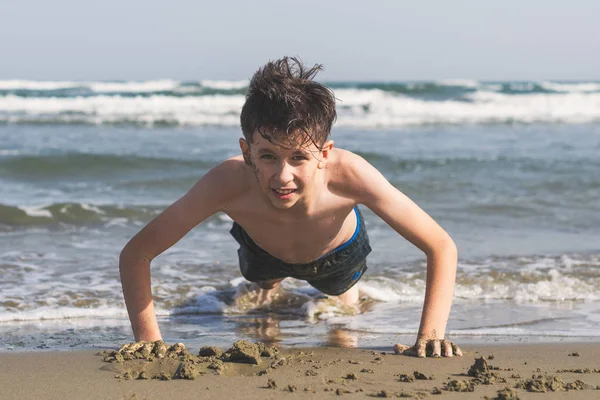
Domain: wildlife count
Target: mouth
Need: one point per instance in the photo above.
(284, 193)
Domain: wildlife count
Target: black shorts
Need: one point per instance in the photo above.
(333, 274)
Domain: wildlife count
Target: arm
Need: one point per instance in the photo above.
(204, 199)
(410, 221)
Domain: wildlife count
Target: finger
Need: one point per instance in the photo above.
(456, 350)
(421, 348)
(447, 349)
(400, 348)
(437, 348)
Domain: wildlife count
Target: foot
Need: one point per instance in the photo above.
(251, 295)
(266, 296)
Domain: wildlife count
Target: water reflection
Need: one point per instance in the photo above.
(268, 329)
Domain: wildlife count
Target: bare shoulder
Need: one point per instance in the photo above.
(348, 160)
(208, 196)
(353, 176)
(223, 183)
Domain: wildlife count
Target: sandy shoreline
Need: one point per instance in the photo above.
(319, 372)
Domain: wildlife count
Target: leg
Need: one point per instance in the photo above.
(350, 297)
(267, 290)
(342, 338)
(251, 295)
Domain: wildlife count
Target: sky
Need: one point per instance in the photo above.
(373, 40)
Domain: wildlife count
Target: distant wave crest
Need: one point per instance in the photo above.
(71, 214)
(361, 104)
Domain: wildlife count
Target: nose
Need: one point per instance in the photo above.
(284, 173)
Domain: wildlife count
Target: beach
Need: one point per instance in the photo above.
(315, 372)
(508, 169)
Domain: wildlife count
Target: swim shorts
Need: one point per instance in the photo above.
(333, 273)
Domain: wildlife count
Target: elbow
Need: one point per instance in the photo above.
(444, 247)
(131, 256)
(123, 257)
(450, 246)
(125, 253)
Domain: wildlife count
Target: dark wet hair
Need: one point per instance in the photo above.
(286, 106)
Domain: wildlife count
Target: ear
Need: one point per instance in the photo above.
(245, 147)
(325, 154)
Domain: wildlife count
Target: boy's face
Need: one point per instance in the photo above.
(285, 175)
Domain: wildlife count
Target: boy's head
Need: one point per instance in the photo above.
(285, 106)
(286, 121)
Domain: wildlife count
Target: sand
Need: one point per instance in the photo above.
(529, 371)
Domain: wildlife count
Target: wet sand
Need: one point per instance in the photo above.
(314, 373)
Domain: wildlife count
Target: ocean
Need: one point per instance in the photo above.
(510, 169)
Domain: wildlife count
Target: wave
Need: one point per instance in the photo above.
(73, 165)
(540, 283)
(84, 214)
(151, 171)
(28, 88)
(89, 165)
(166, 87)
(73, 214)
(358, 107)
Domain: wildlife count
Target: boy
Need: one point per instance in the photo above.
(293, 198)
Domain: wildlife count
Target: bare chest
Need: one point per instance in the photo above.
(299, 240)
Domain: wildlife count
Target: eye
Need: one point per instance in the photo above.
(267, 157)
(299, 158)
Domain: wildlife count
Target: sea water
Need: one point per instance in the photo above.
(510, 169)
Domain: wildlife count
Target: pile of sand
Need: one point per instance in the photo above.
(157, 360)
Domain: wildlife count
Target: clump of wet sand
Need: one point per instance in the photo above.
(419, 394)
(157, 360)
(423, 377)
(504, 394)
(332, 371)
(210, 351)
(405, 378)
(459, 386)
(483, 374)
(545, 383)
(579, 371)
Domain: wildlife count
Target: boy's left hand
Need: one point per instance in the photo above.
(430, 347)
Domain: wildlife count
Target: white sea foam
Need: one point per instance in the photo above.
(40, 287)
(120, 87)
(357, 108)
(491, 86)
(37, 211)
(386, 290)
(61, 313)
(133, 87)
(204, 300)
(204, 110)
(93, 208)
(98, 87)
(573, 87)
(37, 85)
(555, 289)
(521, 86)
(504, 296)
(225, 85)
(523, 333)
(468, 83)
(7, 152)
(378, 109)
